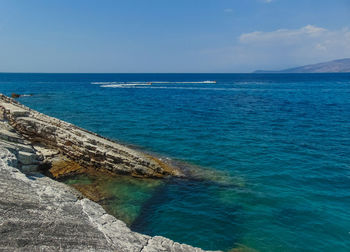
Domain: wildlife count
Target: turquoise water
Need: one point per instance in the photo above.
(276, 148)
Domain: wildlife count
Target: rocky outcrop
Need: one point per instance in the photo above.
(86, 148)
(38, 213)
(26, 157)
(14, 95)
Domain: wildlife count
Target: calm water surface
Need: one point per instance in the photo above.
(273, 151)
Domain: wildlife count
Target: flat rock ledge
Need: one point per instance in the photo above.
(86, 148)
(38, 213)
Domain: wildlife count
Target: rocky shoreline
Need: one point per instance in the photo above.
(38, 213)
(50, 135)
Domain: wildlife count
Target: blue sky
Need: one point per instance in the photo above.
(170, 36)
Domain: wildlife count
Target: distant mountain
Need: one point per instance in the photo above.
(335, 66)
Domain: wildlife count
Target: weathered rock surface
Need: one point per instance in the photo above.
(84, 147)
(26, 158)
(41, 214)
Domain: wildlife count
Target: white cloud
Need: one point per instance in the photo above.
(285, 48)
(284, 35)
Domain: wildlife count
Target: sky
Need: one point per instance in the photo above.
(167, 36)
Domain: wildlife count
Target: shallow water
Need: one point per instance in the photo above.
(121, 196)
(273, 152)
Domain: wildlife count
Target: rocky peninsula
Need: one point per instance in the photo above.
(38, 213)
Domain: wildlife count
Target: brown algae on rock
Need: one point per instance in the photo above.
(61, 167)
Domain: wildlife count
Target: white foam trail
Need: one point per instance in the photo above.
(155, 82)
(185, 82)
(154, 87)
(202, 88)
(103, 83)
(120, 83)
(125, 85)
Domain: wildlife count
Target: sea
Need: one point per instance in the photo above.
(268, 155)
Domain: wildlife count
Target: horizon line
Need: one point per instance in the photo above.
(272, 72)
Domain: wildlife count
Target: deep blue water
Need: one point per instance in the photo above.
(278, 146)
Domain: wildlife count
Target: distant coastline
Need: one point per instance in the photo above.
(335, 66)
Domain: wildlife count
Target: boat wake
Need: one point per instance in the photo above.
(122, 83)
(135, 83)
(142, 84)
(185, 82)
